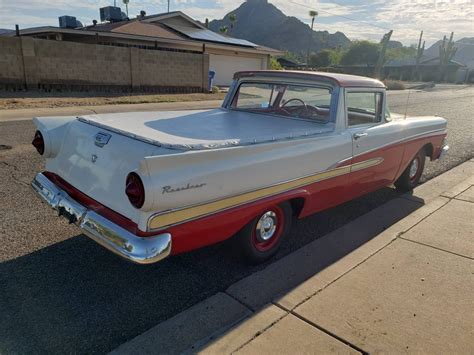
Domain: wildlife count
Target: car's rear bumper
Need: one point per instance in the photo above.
(141, 250)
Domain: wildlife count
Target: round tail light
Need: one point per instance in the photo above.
(38, 142)
(134, 190)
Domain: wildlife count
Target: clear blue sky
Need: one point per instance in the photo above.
(405, 17)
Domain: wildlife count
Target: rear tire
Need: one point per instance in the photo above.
(412, 174)
(260, 239)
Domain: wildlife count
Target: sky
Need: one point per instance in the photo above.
(358, 19)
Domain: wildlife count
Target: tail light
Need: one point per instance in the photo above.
(38, 142)
(134, 190)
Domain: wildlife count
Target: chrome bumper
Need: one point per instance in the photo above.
(111, 236)
(443, 152)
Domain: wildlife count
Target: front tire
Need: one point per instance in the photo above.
(412, 174)
(260, 239)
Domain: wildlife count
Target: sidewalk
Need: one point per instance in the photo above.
(28, 113)
(398, 279)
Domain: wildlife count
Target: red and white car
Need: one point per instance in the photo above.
(149, 184)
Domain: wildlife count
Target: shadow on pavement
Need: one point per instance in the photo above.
(76, 297)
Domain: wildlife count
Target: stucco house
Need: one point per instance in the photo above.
(173, 31)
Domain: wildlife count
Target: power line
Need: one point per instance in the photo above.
(342, 16)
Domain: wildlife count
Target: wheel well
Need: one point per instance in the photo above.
(297, 205)
(428, 148)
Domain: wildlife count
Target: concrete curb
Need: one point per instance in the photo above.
(274, 292)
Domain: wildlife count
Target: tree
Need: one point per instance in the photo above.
(223, 29)
(383, 50)
(126, 5)
(361, 52)
(447, 50)
(233, 20)
(274, 64)
(400, 53)
(419, 53)
(325, 58)
(313, 15)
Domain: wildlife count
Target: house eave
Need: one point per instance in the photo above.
(106, 34)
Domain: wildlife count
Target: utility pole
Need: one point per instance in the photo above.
(384, 43)
(168, 6)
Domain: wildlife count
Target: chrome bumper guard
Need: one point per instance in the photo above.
(108, 234)
(443, 152)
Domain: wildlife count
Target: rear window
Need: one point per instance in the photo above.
(294, 101)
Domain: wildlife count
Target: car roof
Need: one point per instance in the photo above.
(343, 80)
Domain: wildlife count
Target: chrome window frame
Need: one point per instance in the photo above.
(383, 118)
(333, 90)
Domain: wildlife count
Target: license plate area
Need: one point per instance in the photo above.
(71, 210)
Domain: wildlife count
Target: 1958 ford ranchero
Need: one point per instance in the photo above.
(283, 144)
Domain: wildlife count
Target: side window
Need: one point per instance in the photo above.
(364, 107)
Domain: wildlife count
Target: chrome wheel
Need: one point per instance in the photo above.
(261, 237)
(415, 165)
(266, 226)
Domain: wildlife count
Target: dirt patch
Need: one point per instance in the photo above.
(47, 100)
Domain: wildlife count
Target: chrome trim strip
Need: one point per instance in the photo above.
(106, 233)
(177, 216)
(401, 140)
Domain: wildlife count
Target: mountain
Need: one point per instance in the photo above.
(464, 54)
(264, 24)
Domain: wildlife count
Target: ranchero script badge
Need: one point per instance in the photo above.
(102, 139)
(169, 189)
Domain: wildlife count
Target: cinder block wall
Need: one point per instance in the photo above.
(36, 63)
(11, 61)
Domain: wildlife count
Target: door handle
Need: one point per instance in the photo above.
(359, 135)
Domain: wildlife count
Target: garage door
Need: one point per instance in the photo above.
(225, 66)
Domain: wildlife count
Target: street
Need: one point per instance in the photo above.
(62, 293)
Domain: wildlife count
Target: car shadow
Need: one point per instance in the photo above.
(76, 297)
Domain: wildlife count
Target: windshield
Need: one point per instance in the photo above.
(294, 101)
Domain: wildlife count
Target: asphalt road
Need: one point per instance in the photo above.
(62, 293)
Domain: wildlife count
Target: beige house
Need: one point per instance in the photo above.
(172, 31)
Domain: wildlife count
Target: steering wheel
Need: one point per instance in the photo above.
(304, 106)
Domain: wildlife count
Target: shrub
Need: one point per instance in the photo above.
(274, 64)
(215, 89)
(394, 85)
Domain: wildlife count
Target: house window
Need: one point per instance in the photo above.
(364, 108)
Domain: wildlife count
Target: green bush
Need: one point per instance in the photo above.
(215, 89)
(274, 65)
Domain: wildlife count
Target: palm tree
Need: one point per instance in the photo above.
(126, 5)
(232, 19)
(313, 15)
(223, 29)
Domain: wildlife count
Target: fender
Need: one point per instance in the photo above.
(223, 225)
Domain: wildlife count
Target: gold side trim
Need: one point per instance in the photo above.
(173, 217)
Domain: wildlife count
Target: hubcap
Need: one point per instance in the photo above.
(414, 168)
(266, 226)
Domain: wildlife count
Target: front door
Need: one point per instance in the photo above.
(376, 147)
